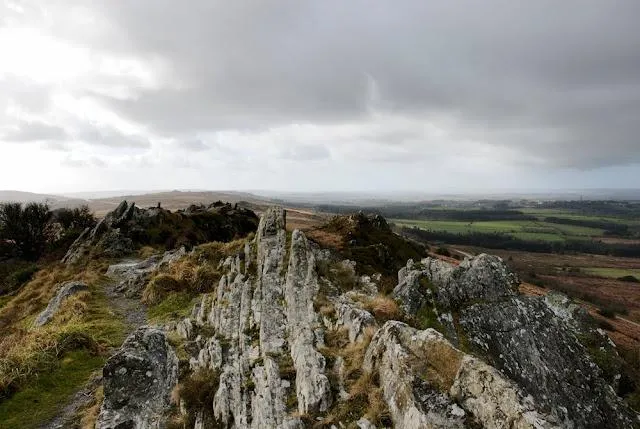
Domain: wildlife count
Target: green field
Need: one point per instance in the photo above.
(614, 273)
(542, 213)
(526, 230)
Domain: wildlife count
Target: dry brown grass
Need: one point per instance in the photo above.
(81, 321)
(323, 305)
(384, 308)
(146, 252)
(331, 240)
(216, 252)
(159, 286)
(89, 416)
(365, 396)
(439, 364)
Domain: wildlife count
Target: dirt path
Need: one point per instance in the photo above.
(134, 314)
(132, 310)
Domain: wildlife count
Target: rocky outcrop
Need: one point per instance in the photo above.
(138, 381)
(292, 348)
(533, 341)
(105, 235)
(312, 385)
(427, 383)
(65, 290)
(128, 227)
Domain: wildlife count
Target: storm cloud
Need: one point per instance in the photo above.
(465, 86)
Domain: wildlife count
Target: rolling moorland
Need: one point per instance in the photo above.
(589, 250)
(296, 321)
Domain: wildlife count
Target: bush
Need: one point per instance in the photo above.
(78, 218)
(15, 273)
(603, 324)
(443, 251)
(26, 227)
(198, 391)
(630, 279)
(610, 310)
(22, 276)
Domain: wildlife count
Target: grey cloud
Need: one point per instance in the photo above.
(305, 152)
(57, 146)
(72, 162)
(494, 66)
(29, 96)
(110, 137)
(554, 81)
(34, 131)
(194, 145)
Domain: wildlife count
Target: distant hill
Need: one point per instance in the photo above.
(55, 201)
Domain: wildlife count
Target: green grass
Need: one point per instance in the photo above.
(4, 299)
(541, 236)
(99, 320)
(41, 400)
(525, 230)
(542, 213)
(611, 272)
(175, 305)
(464, 226)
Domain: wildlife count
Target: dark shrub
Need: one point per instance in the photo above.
(443, 251)
(27, 227)
(78, 218)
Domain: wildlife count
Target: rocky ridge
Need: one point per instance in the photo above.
(291, 348)
(127, 227)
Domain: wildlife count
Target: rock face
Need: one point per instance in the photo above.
(533, 341)
(65, 291)
(138, 381)
(291, 347)
(106, 235)
(425, 380)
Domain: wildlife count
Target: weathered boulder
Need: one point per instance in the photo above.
(532, 340)
(65, 290)
(106, 235)
(427, 383)
(484, 277)
(312, 385)
(355, 319)
(410, 292)
(138, 381)
(522, 337)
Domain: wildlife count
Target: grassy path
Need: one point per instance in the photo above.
(134, 314)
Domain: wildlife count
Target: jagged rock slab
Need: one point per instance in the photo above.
(138, 381)
(312, 385)
(426, 381)
(532, 340)
(65, 291)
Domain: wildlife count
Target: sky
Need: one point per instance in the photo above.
(332, 95)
